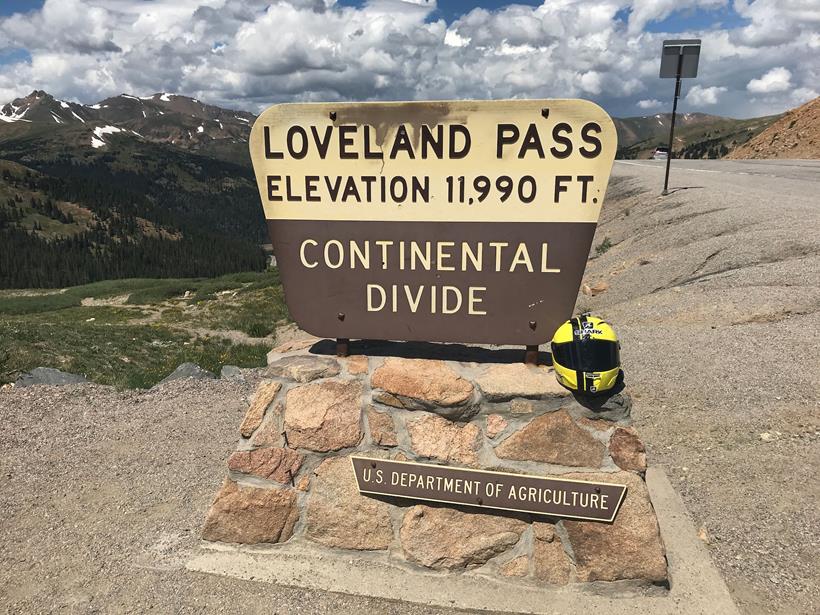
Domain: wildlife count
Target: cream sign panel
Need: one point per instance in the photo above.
(442, 221)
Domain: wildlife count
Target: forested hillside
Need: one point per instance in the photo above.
(75, 223)
(72, 212)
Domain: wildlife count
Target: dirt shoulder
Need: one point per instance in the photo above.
(715, 292)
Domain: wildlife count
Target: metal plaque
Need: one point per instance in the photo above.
(686, 52)
(556, 497)
(459, 221)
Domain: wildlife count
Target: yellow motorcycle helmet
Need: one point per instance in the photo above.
(586, 355)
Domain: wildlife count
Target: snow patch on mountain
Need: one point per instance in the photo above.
(97, 140)
(9, 114)
(106, 130)
(110, 117)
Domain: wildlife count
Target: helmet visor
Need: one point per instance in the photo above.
(592, 356)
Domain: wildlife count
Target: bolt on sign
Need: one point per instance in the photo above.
(557, 497)
(458, 221)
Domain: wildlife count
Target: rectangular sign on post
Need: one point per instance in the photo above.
(689, 50)
(453, 221)
(557, 497)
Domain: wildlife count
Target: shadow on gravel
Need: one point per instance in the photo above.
(679, 188)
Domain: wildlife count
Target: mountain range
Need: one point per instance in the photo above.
(157, 186)
(697, 135)
(127, 187)
(190, 124)
(162, 118)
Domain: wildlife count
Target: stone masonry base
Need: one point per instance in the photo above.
(291, 481)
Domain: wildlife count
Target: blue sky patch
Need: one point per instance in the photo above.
(9, 7)
(694, 20)
(10, 56)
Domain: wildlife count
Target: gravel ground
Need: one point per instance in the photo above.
(714, 291)
(103, 495)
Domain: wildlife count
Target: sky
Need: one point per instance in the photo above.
(758, 56)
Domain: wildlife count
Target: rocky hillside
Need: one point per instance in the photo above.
(795, 135)
(161, 118)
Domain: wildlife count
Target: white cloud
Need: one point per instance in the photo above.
(776, 22)
(776, 80)
(645, 11)
(591, 82)
(699, 96)
(69, 25)
(649, 103)
(803, 95)
(251, 53)
(453, 39)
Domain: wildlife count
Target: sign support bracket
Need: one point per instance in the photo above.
(342, 347)
(531, 355)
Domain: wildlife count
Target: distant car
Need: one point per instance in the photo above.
(660, 153)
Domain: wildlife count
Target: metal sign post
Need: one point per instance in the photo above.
(679, 59)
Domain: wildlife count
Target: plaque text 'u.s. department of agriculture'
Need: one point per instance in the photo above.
(557, 497)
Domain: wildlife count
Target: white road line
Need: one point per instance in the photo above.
(654, 166)
(750, 173)
(636, 164)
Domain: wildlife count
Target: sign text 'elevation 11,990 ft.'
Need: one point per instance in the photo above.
(465, 221)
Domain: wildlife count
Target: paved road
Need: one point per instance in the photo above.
(715, 293)
(769, 175)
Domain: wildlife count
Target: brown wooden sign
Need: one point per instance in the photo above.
(455, 221)
(557, 497)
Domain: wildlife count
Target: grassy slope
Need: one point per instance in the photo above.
(133, 333)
